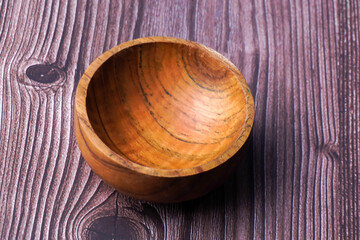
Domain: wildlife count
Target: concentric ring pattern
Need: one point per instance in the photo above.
(167, 105)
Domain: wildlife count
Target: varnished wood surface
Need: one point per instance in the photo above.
(161, 119)
(165, 103)
(300, 179)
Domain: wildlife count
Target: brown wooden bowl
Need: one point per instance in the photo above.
(158, 118)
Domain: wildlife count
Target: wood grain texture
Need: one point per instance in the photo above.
(299, 181)
(161, 119)
(349, 101)
(164, 103)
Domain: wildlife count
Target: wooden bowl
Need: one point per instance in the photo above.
(158, 118)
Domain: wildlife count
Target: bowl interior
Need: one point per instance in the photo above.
(166, 105)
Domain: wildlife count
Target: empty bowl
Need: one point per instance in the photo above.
(159, 118)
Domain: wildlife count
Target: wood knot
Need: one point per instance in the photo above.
(43, 73)
(40, 76)
(329, 150)
(136, 221)
(113, 228)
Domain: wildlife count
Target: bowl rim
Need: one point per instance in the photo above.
(121, 161)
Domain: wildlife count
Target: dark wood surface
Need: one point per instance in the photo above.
(301, 175)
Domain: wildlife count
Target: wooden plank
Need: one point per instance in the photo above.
(348, 77)
(299, 181)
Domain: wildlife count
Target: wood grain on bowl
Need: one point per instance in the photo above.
(153, 111)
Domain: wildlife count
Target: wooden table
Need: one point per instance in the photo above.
(301, 176)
